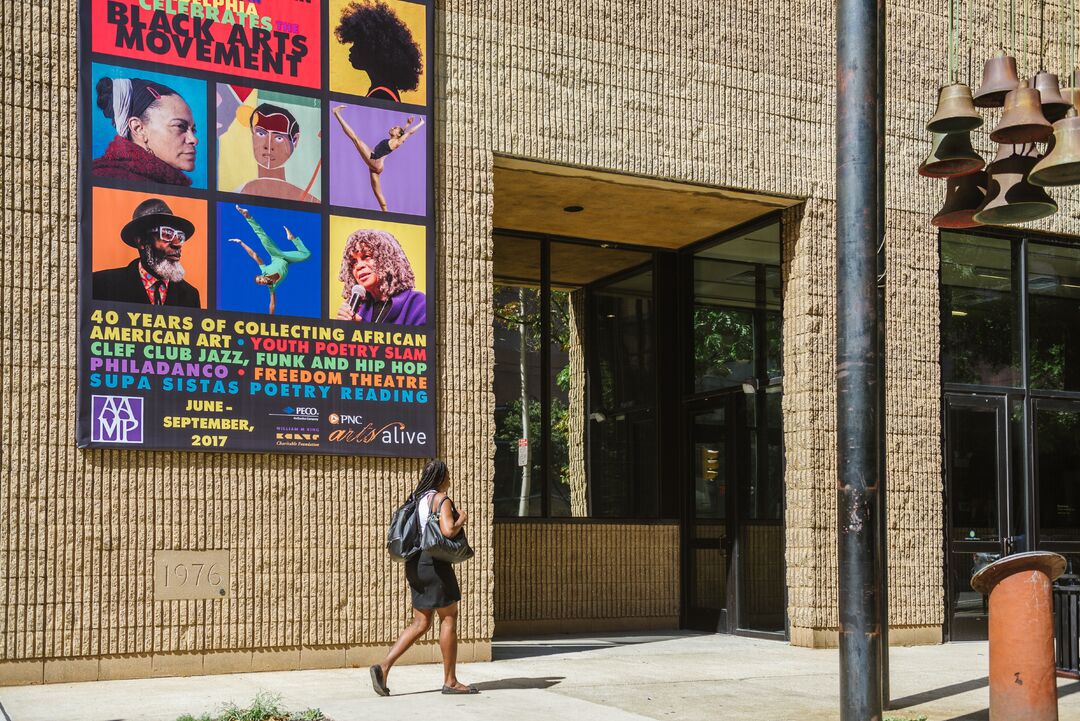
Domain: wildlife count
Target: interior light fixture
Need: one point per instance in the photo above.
(992, 277)
(1070, 285)
(959, 313)
(573, 209)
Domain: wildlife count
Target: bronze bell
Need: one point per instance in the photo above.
(964, 196)
(1010, 198)
(1071, 94)
(955, 111)
(1053, 105)
(1061, 165)
(1023, 120)
(999, 77)
(951, 155)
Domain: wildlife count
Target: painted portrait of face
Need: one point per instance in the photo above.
(274, 135)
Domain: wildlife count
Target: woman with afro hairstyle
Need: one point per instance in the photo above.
(382, 46)
(378, 284)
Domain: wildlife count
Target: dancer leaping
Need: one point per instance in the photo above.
(397, 135)
(274, 272)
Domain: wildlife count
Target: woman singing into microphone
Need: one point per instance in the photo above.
(378, 284)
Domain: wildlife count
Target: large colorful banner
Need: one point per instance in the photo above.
(256, 239)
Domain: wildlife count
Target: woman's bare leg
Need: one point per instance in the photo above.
(376, 188)
(448, 644)
(361, 146)
(416, 629)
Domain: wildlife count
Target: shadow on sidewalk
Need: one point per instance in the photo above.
(506, 684)
(503, 684)
(509, 649)
(984, 714)
(939, 693)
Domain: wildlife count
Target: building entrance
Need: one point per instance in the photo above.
(734, 559)
(979, 503)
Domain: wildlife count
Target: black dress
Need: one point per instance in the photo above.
(433, 583)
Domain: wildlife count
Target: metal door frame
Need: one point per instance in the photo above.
(971, 401)
(736, 460)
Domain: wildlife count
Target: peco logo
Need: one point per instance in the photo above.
(116, 419)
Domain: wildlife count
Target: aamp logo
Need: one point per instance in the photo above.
(116, 419)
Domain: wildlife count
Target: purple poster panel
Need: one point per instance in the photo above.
(379, 159)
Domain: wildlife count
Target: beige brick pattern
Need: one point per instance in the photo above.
(727, 94)
(581, 572)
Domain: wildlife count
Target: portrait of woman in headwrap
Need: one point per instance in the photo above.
(155, 132)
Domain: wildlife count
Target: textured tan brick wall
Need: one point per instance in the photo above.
(572, 576)
(728, 94)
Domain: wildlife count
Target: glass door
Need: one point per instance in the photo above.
(977, 501)
(715, 444)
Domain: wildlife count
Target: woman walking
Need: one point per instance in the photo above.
(434, 586)
(373, 157)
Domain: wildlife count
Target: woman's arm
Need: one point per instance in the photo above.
(410, 131)
(447, 524)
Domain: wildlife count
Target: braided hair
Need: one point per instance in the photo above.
(431, 478)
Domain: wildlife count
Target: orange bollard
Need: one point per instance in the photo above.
(1023, 681)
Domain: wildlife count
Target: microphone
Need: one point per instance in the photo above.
(356, 298)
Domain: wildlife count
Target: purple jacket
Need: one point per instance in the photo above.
(406, 308)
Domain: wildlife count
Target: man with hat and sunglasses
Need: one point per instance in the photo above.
(156, 277)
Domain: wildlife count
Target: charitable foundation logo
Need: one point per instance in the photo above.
(116, 419)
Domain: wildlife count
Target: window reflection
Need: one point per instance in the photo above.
(1054, 316)
(518, 442)
(1058, 464)
(979, 325)
(622, 419)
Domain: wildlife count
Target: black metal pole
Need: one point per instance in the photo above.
(882, 506)
(858, 173)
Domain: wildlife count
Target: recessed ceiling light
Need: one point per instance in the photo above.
(959, 313)
(573, 209)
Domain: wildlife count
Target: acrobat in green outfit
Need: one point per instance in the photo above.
(274, 272)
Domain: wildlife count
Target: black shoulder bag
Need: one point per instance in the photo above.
(438, 546)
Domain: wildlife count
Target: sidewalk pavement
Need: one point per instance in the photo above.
(682, 676)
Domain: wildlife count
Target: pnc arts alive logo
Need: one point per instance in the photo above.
(394, 433)
(116, 419)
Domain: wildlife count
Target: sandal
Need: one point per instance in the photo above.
(377, 681)
(450, 690)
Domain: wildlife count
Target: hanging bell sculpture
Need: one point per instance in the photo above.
(1023, 120)
(1061, 166)
(955, 111)
(964, 196)
(1071, 94)
(1054, 106)
(999, 77)
(1010, 198)
(951, 155)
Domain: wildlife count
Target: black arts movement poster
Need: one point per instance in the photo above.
(256, 249)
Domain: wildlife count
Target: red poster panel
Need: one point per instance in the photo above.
(275, 40)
